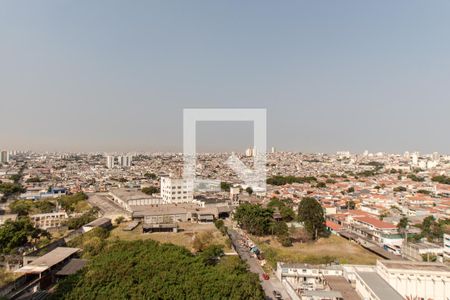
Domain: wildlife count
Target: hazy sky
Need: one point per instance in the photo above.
(333, 75)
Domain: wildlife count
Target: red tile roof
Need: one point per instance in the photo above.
(333, 226)
(375, 222)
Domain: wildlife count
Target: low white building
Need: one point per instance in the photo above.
(48, 220)
(308, 282)
(404, 279)
(126, 198)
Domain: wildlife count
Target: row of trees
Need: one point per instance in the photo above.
(151, 176)
(260, 221)
(226, 186)
(282, 180)
(8, 189)
(149, 270)
(15, 234)
(431, 229)
(150, 190)
(254, 218)
(416, 178)
(27, 207)
(92, 242)
(441, 179)
(78, 222)
(70, 202)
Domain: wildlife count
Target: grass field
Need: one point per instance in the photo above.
(325, 250)
(184, 237)
(7, 277)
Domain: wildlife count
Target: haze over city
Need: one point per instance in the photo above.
(115, 76)
(242, 150)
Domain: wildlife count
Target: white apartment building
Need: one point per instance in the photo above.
(4, 157)
(124, 161)
(121, 161)
(110, 162)
(176, 190)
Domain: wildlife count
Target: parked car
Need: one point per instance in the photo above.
(265, 276)
(277, 295)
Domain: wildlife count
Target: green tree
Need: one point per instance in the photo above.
(69, 202)
(9, 189)
(27, 207)
(78, 222)
(254, 218)
(400, 189)
(34, 180)
(426, 226)
(351, 204)
(151, 176)
(425, 192)
(150, 190)
(225, 186)
(403, 224)
(149, 270)
(441, 179)
(44, 206)
(321, 185)
(120, 220)
(16, 178)
(21, 207)
(14, 234)
(311, 213)
(282, 180)
(249, 190)
(287, 214)
(416, 178)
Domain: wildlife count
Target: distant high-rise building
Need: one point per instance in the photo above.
(249, 152)
(273, 150)
(4, 157)
(436, 156)
(124, 161)
(415, 159)
(120, 160)
(366, 153)
(110, 162)
(128, 160)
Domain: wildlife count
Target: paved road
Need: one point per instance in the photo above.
(268, 285)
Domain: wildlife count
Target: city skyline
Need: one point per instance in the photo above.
(340, 76)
